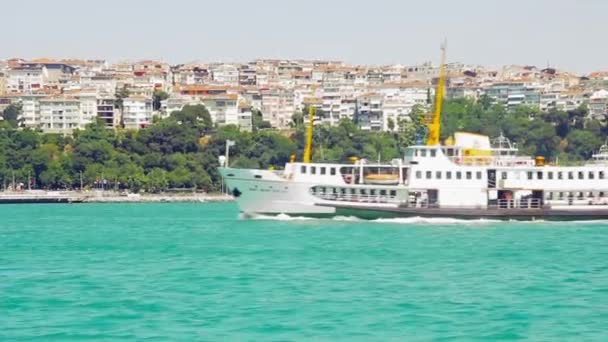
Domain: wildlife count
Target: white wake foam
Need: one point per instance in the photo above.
(434, 220)
(408, 220)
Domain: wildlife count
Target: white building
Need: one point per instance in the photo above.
(137, 112)
(30, 110)
(223, 108)
(227, 74)
(598, 104)
(277, 107)
(399, 100)
(64, 114)
(26, 79)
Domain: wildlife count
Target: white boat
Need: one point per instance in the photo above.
(469, 177)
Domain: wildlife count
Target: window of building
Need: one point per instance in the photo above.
(570, 175)
(581, 175)
(313, 170)
(382, 192)
(560, 175)
(600, 175)
(503, 175)
(448, 175)
(433, 153)
(393, 193)
(418, 174)
(438, 174)
(428, 175)
(303, 169)
(322, 169)
(530, 175)
(469, 175)
(550, 175)
(332, 171)
(458, 175)
(423, 153)
(353, 191)
(372, 192)
(478, 174)
(591, 175)
(539, 175)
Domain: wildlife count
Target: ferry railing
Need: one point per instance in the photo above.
(357, 198)
(528, 203)
(422, 204)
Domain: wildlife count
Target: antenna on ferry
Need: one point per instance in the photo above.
(434, 126)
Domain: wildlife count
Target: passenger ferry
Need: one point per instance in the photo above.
(468, 176)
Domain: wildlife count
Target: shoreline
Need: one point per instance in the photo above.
(33, 196)
(157, 198)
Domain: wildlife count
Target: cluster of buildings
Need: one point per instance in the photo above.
(59, 96)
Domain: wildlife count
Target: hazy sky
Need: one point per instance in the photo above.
(567, 34)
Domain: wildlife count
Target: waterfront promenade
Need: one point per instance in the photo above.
(118, 197)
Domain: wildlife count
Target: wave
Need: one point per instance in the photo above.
(418, 220)
(408, 220)
(436, 220)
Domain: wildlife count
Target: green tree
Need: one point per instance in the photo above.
(12, 115)
(157, 180)
(157, 97)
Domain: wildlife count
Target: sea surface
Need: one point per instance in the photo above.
(198, 272)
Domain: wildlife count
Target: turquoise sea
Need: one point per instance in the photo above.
(190, 272)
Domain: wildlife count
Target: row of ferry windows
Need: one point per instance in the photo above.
(322, 170)
(321, 190)
(423, 153)
(539, 175)
(577, 195)
(449, 174)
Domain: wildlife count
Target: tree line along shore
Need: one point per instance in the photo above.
(181, 151)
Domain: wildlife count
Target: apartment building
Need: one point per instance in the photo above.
(223, 108)
(2, 83)
(513, 94)
(369, 115)
(226, 74)
(137, 112)
(64, 114)
(247, 75)
(277, 107)
(107, 111)
(26, 78)
(598, 104)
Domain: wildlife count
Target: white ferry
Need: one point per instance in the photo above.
(467, 177)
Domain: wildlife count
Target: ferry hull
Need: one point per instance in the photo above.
(474, 214)
(267, 196)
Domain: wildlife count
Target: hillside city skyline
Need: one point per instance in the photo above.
(58, 96)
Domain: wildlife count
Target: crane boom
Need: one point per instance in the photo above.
(435, 124)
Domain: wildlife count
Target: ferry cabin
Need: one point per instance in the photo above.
(429, 177)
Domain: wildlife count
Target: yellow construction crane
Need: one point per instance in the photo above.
(434, 123)
(311, 116)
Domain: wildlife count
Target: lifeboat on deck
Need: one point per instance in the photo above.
(382, 179)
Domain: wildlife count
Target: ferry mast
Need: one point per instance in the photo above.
(434, 123)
